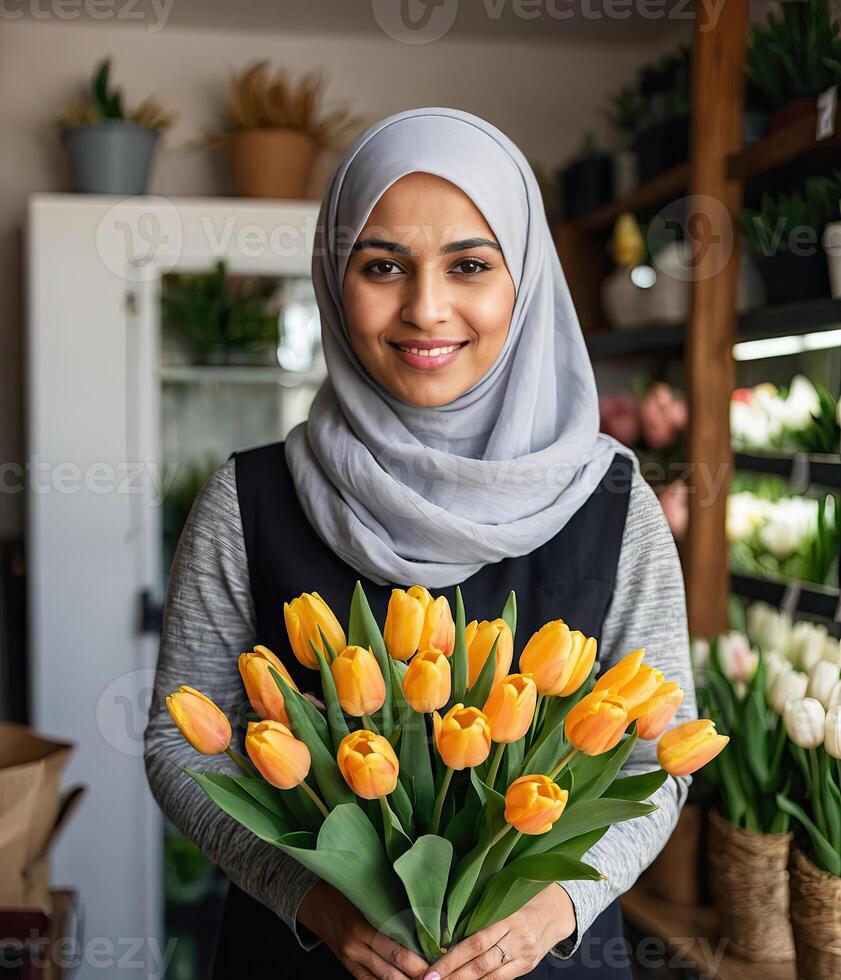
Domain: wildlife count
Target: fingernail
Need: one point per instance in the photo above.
(433, 975)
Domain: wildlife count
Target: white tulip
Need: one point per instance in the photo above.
(745, 512)
(789, 686)
(767, 626)
(835, 695)
(822, 680)
(737, 660)
(805, 721)
(832, 650)
(775, 664)
(796, 411)
(832, 731)
(806, 644)
(700, 651)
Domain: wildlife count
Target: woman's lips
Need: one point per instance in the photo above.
(427, 362)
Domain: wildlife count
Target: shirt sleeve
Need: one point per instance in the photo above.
(208, 621)
(647, 609)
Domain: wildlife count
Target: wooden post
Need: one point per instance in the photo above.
(715, 199)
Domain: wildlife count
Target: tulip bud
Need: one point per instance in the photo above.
(559, 659)
(832, 731)
(788, 686)
(439, 630)
(657, 713)
(265, 696)
(835, 695)
(822, 681)
(303, 616)
(368, 764)
(534, 803)
(199, 720)
(404, 621)
(359, 681)
(480, 647)
(640, 689)
(281, 759)
(510, 707)
(805, 721)
(596, 724)
(687, 747)
(427, 683)
(463, 737)
(621, 673)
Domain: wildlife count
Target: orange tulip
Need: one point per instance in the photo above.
(281, 759)
(641, 689)
(534, 803)
(303, 616)
(439, 630)
(510, 707)
(659, 710)
(368, 764)
(463, 737)
(688, 747)
(560, 659)
(622, 673)
(427, 683)
(481, 640)
(359, 681)
(199, 720)
(596, 724)
(404, 622)
(265, 696)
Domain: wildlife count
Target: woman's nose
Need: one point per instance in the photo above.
(427, 301)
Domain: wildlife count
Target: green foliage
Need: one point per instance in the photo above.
(795, 54)
(105, 104)
(774, 226)
(660, 90)
(212, 311)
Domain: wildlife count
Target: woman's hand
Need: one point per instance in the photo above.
(366, 953)
(526, 937)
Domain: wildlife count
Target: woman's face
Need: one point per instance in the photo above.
(427, 273)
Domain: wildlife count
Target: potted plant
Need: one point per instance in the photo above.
(624, 113)
(587, 180)
(223, 319)
(793, 57)
(662, 140)
(276, 127)
(109, 147)
(785, 235)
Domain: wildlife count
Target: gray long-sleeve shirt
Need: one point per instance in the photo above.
(209, 620)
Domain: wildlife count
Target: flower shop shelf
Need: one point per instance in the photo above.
(641, 341)
(240, 375)
(824, 469)
(652, 194)
(812, 599)
(691, 936)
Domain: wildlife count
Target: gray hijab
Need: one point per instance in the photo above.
(411, 495)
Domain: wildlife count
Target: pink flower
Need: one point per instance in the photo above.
(662, 416)
(620, 417)
(674, 499)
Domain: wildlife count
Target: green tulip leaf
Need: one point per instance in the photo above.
(229, 796)
(638, 787)
(509, 613)
(424, 870)
(363, 631)
(458, 661)
(478, 694)
(336, 720)
(416, 764)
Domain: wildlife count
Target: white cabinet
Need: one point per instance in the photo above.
(116, 419)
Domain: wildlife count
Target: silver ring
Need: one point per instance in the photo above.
(504, 954)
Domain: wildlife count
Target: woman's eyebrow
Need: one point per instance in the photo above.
(397, 249)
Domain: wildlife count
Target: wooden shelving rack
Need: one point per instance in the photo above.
(720, 171)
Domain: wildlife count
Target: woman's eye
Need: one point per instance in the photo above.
(385, 267)
(472, 267)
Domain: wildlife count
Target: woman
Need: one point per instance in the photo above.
(455, 441)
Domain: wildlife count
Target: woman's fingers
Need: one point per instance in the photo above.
(479, 951)
(406, 962)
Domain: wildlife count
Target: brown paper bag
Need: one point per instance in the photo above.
(32, 810)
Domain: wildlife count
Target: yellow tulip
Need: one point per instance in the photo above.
(359, 681)
(688, 747)
(265, 696)
(404, 621)
(510, 707)
(641, 689)
(439, 630)
(622, 673)
(463, 737)
(658, 711)
(368, 764)
(478, 649)
(199, 720)
(559, 659)
(534, 803)
(427, 683)
(303, 616)
(281, 759)
(596, 724)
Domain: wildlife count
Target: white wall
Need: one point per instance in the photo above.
(541, 94)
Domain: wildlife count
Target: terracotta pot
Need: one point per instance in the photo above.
(816, 918)
(791, 112)
(750, 889)
(673, 875)
(271, 163)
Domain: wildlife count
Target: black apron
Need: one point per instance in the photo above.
(570, 577)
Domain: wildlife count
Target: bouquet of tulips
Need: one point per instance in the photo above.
(435, 832)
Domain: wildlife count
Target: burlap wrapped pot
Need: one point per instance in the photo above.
(816, 919)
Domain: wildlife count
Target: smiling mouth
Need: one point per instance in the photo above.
(439, 350)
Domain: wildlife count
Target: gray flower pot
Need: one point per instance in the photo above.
(110, 157)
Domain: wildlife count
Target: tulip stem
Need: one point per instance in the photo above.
(573, 752)
(817, 791)
(439, 800)
(494, 770)
(248, 769)
(311, 793)
(368, 723)
(499, 835)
